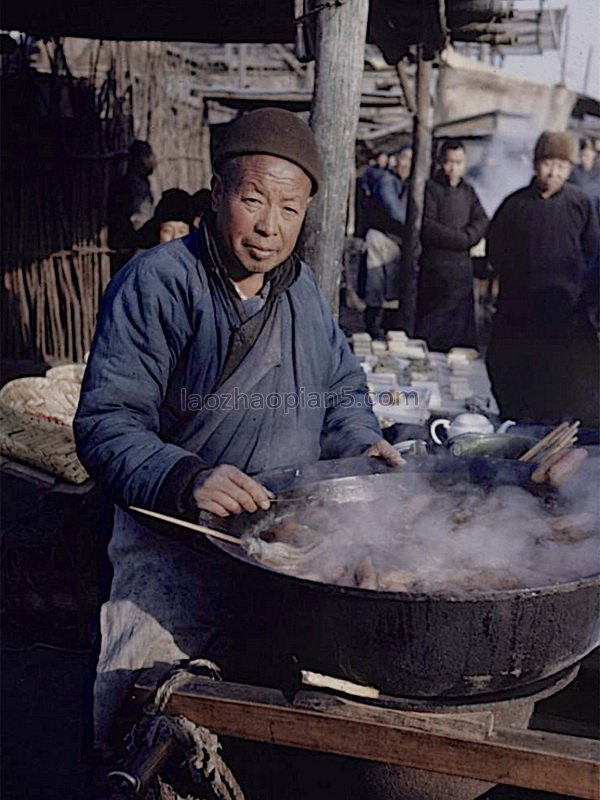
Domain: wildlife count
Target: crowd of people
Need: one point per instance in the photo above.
(542, 246)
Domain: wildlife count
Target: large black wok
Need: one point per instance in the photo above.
(476, 644)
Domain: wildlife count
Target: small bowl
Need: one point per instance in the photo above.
(491, 445)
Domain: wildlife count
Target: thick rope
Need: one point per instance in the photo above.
(201, 747)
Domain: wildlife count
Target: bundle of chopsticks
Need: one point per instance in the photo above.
(552, 449)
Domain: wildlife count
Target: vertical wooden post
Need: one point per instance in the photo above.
(339, 55)
(411, 250)
(242, 58)
(204, 148)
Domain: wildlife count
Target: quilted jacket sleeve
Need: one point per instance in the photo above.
(143, 325)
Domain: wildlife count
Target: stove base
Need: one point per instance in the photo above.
(388, 782)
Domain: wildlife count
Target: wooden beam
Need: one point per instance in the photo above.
(341, 31)
(303, 97)
(449, 744)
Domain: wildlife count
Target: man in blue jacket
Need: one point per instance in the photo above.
(383, 240)
(215, 358)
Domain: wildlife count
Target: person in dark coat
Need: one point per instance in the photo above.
(453, 222)
(543, 243)
(586, 174)
(215, 358)
(130, 204)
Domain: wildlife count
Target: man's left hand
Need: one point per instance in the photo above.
(383, 449)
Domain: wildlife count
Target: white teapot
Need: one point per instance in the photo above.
(465, 423)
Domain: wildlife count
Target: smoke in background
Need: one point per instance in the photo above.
(505, 166)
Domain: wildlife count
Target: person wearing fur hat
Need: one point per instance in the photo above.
(543, 242)
(215, 358)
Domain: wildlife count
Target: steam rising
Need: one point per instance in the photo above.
(506, 165)
(439, 535)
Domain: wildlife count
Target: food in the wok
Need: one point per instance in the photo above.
(441, 535)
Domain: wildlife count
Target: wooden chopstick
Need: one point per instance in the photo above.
(561, 444)
(191, 525)
(543, 443)
(561, 438)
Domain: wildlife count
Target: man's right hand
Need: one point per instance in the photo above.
(228, 490)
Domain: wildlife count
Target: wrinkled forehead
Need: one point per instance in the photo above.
(266, 171)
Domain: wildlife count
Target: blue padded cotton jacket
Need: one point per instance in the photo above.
(149, 412)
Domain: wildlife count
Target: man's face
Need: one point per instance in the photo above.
(172, 229)
(587, 156)
(454, 165)
(551, 175)
(404, 162)
(259, 209)
(381, 160)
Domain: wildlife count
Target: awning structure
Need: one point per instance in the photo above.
(394, 25)
(160, 20)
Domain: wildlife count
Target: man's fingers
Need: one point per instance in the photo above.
(392, 456)
(257, 491)
(383, 449)
(232, 491)
(219, 498)
(225, 499)
(212, 507)
(243, 499)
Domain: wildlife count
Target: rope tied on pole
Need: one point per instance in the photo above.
(201, 748)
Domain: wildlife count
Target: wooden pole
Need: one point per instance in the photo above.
(407, 90)
(411, 250)
(588, 69)
(339, 54)
(565, 52)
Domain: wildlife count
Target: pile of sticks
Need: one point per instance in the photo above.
(554, 455)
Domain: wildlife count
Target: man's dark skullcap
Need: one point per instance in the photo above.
(273, 132)
(556, 145)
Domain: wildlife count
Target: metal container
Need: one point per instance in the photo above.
(479, 645)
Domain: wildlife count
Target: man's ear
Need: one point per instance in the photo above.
(216, 192)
